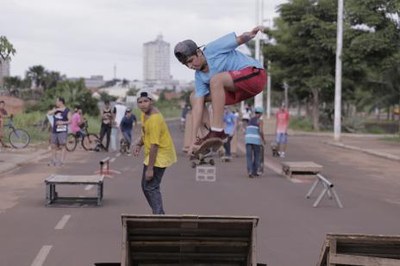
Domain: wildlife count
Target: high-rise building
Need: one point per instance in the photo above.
(4, 69)
(156, 61)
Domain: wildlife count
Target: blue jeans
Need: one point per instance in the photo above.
(151, 189)
(127, 134)
(227, 147)
(253, 156)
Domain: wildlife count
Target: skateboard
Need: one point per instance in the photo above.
(205, 153)
(124, 146)
(274, 149)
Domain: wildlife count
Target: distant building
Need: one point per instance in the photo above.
(156, 61)
(4, 70)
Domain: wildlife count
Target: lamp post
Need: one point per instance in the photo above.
(258, 100)
(338, 73)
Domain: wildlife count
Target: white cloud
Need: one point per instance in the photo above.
(88, 37)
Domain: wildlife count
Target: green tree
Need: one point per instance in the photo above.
(37, 75)
(304, 54)
(6, 49)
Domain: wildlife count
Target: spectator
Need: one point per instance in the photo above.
(3, 116)
(282, 125)
(106, 124)
(230, 128)
(126, 126)
(61, 120)
(254, 138)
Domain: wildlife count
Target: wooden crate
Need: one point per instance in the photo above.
(188, 240)
(366, 250)
(300, 169)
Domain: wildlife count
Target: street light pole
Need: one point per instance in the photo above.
(338, 74)
(258, 99)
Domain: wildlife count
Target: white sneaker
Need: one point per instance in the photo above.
(282, 154)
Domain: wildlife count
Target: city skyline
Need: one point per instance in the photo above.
(86, 38)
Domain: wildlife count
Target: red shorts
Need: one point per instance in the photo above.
(248, 81)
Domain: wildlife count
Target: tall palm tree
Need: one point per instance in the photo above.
(36, 74)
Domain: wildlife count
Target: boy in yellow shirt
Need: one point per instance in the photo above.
(159, 150)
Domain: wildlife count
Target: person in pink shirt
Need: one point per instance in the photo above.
(76, 120)
(282, 124)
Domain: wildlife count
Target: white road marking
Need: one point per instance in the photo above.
(89, 187)
(118, 154)
(41, 256)
(113, 159)
(61, 224)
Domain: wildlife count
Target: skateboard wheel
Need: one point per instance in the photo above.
(212, 162)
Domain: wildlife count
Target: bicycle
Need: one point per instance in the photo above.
(89, 141)
(18, 138)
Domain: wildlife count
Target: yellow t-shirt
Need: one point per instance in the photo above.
(155, 131)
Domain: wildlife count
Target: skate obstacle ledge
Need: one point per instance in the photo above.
(300, 169)
(52, 196)
(357, 249)
(188, 240)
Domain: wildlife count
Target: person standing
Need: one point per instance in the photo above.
(159, 150)
(118, 113)
(106, 124)
(230, 128)
(254, 139)
(3, 116)
(126, 126)
(61, 120)
(282, 125)
(223, 76)
(76, 121)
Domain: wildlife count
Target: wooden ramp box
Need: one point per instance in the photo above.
(366, 250)
(300, 169)
(188, 240)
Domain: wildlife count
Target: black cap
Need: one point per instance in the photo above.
(185, 49)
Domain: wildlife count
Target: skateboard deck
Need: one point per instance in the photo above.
(274, 149)
(205, 152)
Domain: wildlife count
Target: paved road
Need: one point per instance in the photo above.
(290, 231)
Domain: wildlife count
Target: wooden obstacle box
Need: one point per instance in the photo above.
(300, 169)
(355, 249)
(52, 196)
(188, 240)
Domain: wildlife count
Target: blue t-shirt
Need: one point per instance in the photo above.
(229, 120)
(127, 123)
(221, 56)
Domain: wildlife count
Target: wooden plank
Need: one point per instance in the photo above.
(302, 166)
(342, 259)
(84, 179)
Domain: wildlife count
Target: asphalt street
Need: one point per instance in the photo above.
(290, 231)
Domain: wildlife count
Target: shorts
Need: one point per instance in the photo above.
(281, 138)
(59, 139)
(248, 81)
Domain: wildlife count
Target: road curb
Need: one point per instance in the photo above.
(370, 152)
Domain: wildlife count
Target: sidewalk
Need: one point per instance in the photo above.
(366, 143)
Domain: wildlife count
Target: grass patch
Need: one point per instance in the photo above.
(301, 124)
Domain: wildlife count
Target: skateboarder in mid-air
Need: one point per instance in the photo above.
(223, 76)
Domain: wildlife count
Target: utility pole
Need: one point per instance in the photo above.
(258, 100)
(338, 74)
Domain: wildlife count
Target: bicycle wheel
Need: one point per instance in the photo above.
(71, 142)
(90, 142)
(19, 138)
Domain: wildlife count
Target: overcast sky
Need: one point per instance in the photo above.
(81, 38)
